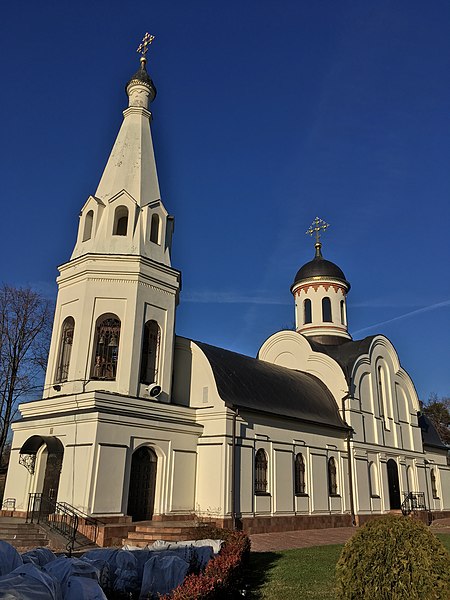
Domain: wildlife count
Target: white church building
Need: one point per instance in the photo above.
(318, 430)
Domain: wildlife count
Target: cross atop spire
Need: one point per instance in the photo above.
(316, 227)
(146, 41)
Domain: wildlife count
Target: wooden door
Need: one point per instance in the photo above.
(141, 495)
(394, 486)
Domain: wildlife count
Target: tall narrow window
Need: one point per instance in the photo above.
(88, 221)
(332, 477)
(434, 489)
(307, 311)
(343, 319)
(150, 352)
(260, 472)
(65, 350)
(326, 310)
(154, 229)
(382, 396)
(299, 474)
(120, 221)
(107, 337)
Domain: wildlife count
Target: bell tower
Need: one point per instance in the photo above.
(115, 313)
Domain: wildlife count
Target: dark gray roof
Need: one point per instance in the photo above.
(320, 267)
(346, 353)
(142, 75)
(430, 435)
(261, 386)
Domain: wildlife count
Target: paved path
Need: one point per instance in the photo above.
(306, 538)
(265, 542)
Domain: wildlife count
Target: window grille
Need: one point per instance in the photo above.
(332, 477)
(106, 349)
(150, 352)
(300, 486)
(260, 472)
(434, 490)
(65, 350)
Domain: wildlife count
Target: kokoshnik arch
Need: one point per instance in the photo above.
(318, 430)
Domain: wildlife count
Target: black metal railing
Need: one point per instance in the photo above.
(413, 501)
(68, 521)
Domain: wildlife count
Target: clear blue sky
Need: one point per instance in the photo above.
(268, 113)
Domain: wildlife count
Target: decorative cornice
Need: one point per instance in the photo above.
(137, 110)
(330, 326)
(317, 285)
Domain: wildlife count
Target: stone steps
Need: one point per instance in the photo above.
(170, 531)
(23, 535)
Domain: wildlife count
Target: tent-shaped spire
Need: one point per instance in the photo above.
(131, 165)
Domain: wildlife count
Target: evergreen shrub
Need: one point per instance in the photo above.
(393, 557)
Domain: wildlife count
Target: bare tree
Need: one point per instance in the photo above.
(25, 322)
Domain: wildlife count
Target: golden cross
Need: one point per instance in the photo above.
(146, 41)
(316, 227)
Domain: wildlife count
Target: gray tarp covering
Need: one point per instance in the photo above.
(81, 588)
(10, 559)
(28, 582)
(109, 555)
(38, 556)
(216, 545)
(63, 568)
(127, 579)
(162, 574)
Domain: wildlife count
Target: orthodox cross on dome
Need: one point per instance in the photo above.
(146, 41)
(316, 227)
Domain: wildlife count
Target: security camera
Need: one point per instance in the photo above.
(153, 390)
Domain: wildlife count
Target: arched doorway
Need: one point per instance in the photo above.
(393, 483)
(49, 464)
(141, 494)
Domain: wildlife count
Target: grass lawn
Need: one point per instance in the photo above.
(306, 573)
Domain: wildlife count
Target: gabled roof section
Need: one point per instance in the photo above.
(430, 435)
(345, 353)
(257, 385)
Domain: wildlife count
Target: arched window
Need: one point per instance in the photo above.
(88, 221)
(326, 310)
(260, 472)
(120, 221)
(434, 490)
(307, 311)
(107, 337)
(299, 474)
(150, 352)
(154, 229)
(373, 480)
(332, 477)
(382, 396)
(343, 316)
(65, 350)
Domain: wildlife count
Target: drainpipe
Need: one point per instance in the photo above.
(233, 471)
(350, 466)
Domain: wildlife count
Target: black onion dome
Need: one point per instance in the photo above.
(142, 76)
(320, 268)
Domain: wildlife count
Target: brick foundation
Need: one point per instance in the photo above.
(288, 523)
